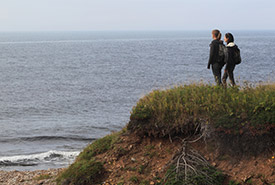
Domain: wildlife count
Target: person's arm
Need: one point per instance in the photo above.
(213, 50)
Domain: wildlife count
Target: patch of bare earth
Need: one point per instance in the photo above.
(245, 169)
(136, 160)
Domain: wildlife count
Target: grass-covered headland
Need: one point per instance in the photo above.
(174, 111)
(133, 156)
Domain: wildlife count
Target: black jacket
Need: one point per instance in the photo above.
(214, 52)
(230, 55)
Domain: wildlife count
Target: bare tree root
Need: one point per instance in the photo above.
(188, 163)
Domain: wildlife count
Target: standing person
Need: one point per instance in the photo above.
(232, 57)
(217, 55)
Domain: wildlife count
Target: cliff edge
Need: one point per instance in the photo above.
(193, 134)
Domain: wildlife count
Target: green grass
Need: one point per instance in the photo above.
(86, 170)
(82, 172)
(99, 146)
(172, 111)
(43, 177)
(134, 179)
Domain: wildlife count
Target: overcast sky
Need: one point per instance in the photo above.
(85, 15)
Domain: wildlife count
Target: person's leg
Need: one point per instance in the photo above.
(231, 75)
(216, 69)
(224, 78)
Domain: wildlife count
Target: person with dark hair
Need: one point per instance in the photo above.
(230, 58)
(216, 57)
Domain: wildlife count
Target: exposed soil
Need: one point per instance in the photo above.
(136, 160)
(246, 142)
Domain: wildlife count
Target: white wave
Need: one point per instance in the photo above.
(46, 156)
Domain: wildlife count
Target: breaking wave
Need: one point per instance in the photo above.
(36, 159)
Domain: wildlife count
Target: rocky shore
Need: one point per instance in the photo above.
(38, 177)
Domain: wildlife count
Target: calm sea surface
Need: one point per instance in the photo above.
(60, 91)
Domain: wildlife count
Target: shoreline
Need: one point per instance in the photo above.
(45, 177)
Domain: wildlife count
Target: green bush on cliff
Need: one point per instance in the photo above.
(85, 169)
(98, 147)
(82, 172)
(174, 111)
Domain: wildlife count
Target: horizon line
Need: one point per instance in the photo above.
(134, 30)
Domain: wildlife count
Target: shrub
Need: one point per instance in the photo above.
(82, 172)
(86, 170)
(98, 147)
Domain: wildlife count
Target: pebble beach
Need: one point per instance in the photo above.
(38, 177)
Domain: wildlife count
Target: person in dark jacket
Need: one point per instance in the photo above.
(230, 58)
(216, 57)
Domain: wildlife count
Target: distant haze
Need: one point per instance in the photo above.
(88, 15)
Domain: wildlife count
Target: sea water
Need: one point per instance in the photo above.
(59, 91)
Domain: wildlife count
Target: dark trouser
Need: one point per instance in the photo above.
(230, 74)
(216, 69)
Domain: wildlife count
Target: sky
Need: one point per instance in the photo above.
(109, 15)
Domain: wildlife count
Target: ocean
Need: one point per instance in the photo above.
(60, 91)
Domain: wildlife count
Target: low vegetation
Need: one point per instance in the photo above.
(86, 169)
(178, 110)
(98, 147)
(82, 172)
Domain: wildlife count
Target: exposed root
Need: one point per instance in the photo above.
(188, 162)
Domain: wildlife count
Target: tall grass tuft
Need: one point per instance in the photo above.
(174, 111)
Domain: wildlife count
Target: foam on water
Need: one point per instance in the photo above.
(36, 159)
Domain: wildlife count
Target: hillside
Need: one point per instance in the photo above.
(193, 134)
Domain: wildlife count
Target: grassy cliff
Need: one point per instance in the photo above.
(133, 156)
(169, 112)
